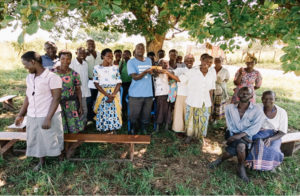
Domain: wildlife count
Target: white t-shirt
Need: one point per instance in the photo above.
(82, 70)
(198, 87)
(161, 84)
(279, 122)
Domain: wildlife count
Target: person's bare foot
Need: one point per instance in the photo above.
(188, 139)
(214, 164)
(38, 167)
(242, 173)
(61, 157)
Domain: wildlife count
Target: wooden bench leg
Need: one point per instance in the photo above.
(9, 104)
(288, 148)
(7, 146)
(131, 151)
(70, 150)
(296, 147)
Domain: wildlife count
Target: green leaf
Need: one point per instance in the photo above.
(99, 15)
(72, 2)
(21, 38)
(9, 18)
(117, 2)
(117, 9)
(32, 28)
(163, 13)
(47, 25)
(223, 46)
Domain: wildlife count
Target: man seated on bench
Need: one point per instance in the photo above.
(265, 154)
(44, 124)
(243, 121)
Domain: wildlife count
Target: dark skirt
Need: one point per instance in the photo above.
(262, 157)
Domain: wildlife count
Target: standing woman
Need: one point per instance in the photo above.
(247, 77)
(44, 127)
(108, 105)
(220, 95)
(180, 105)
(71, 96)
(265, 154)
(200, 87)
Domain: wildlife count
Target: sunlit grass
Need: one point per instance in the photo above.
(166, 166)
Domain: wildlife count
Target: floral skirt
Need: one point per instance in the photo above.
(196, 121)
(219, 108)
(70, 117)
(108, 115)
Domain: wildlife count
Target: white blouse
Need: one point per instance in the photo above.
(279, 122)
(107, 75)
(198, 87)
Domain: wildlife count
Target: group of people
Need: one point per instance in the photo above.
(109, 88)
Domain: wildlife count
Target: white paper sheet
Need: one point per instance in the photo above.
(22, 125)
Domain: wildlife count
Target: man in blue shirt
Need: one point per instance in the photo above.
(243, 121)
(50, 58)
(140, 90)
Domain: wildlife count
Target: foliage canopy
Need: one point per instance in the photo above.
(218, 21)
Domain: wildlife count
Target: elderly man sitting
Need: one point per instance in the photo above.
(243, 121)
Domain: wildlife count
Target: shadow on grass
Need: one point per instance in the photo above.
(166, 166)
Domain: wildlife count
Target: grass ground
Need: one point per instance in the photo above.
(166, 166)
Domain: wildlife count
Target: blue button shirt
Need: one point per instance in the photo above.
(250, 123)
(48, 62)
(142, 87)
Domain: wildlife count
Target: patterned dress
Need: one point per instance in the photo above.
(248, 79)
(69, 102)
(220, 95)
(108, 115)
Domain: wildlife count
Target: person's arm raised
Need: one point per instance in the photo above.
(140, 76)
(171, 76)
(239, 75)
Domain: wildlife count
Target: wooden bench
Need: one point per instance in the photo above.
(7, 102)
(289, 143)
(8, 139)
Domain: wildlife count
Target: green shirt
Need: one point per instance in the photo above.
(124, 73)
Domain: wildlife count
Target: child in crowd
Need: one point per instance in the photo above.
(161, 83)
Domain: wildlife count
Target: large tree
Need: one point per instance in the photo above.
(218, 21)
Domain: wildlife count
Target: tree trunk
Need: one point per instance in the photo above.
(155, 44)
